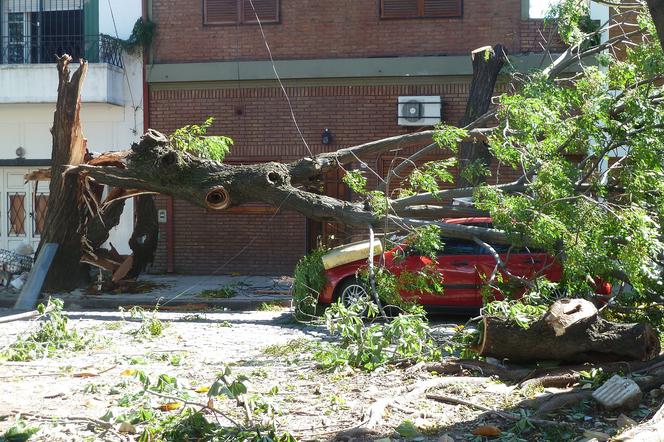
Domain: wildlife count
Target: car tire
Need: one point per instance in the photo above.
(350, 291)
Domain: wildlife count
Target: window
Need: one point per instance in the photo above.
(220, 12)
(16, 215)
(420, 8)
(454, 246)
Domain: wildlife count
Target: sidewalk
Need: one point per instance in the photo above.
(239, 293)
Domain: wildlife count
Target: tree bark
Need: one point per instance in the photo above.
(64, 216)
(487, 64)
(656, 8)
(570, 332)
(153, 165)
(143, 241)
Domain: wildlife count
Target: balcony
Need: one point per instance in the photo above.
(28, 75)
(43, 49)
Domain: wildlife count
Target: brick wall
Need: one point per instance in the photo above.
(332, 29)
(260, 123)
(213, 243)
(535, 35)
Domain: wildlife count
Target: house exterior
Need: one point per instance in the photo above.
(348, 67)
(32, 32)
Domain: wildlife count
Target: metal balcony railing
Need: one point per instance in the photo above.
(43, 49)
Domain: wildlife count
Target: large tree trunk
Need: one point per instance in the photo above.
(656, 8)
(64, 215)
(571, 331)
(143, 241)
(487, 64)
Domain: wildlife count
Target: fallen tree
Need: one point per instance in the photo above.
(598, 221)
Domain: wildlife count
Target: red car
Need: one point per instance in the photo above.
(460, 264)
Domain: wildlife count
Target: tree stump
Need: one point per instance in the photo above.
(571, 331)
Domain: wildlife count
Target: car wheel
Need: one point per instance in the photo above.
(351, 292)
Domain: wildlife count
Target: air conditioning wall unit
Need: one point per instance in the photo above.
(419, 111)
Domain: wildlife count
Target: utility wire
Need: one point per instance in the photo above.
(274, 68)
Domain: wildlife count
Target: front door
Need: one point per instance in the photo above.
(22, 209)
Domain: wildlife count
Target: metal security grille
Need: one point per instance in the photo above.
(16, 214)
(35, 31)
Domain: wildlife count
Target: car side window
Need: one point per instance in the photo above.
(454, 246)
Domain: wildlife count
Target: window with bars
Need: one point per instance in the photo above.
(40, 207)
(16, 214)
(421, 8)
(34, 31)
(226, 12)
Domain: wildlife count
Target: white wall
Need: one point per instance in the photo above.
(126, 12)
(106, 126)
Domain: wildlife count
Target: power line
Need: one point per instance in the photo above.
(274, 68)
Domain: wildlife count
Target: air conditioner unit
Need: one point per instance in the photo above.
(418, 111)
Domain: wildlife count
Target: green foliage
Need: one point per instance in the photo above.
(140, 38)
(428, 279)
(222, 292)
(594, 377)
(427, 241)
(51, 339)
(463, 342)
(270, 306)
(370, 346)
(159, 425)
(596, 224)
(19, 432)
(408, 430)
(573, 20)
(290, 348)
(308, 280)
(193, 139)
(356, 181)
(151, 326)
(429, 176)
(449, 137)
(524, 311)
(475, 172)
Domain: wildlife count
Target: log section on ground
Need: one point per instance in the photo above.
(570, 331)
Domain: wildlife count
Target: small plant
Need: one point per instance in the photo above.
(151, 326)
(369, 346)
(52, 337)
(463, 343)
(292, 347)
(272, 306)
(594, 377)
(222, 292)
(193, 139)
(91, 388)
(19, 432)
(308, 280)
(189, 423)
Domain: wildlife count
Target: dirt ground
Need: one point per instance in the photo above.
(59, 394)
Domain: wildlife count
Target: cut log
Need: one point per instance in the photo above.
(571, 332)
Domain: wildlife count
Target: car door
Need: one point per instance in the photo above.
(519, 261)
(458, 264)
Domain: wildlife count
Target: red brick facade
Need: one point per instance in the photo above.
(332, 29)
(258, 241)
